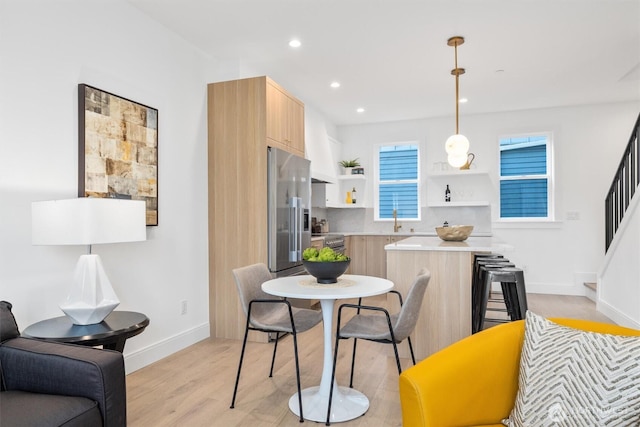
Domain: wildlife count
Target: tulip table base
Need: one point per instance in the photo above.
(346, 404)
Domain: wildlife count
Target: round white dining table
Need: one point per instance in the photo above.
(347, 403)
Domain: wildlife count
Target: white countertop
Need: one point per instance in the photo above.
(400, 233)
(430, 243)
(390, 233)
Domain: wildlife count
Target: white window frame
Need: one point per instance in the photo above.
(377, 182)
(549, 176)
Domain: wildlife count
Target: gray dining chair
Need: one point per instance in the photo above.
(381, 327)
(266, 313)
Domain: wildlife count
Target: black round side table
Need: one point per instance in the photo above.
(111, 333)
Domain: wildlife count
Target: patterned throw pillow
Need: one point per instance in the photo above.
(570, 377)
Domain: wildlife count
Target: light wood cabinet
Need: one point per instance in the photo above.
(368, 255)
(358, 254)
(347, 245)
(376, 256)
(445, 313)
(239, 116)
(395, 238)
(317, 243)
(347, 252)
(285, 119)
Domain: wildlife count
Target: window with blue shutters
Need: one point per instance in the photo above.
(398, 181)
(525, 177)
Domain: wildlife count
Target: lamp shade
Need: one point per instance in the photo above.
(88, 221)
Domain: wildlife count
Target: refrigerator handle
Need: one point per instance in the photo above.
(295, 229)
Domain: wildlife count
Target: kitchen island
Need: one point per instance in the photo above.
(445, 316)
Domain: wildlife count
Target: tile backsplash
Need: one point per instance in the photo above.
(361, 220)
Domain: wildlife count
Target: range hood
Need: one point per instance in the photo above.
(322, 160)
(320, 148)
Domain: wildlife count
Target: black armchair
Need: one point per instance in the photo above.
(53, 384)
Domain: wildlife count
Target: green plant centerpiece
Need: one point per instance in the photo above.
(348, 165)
(326, 265)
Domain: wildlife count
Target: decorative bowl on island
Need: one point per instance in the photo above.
(325, 264)
(454, 233)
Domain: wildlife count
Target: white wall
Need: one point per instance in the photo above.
(618, 290)
(588, 144)
(46, 49)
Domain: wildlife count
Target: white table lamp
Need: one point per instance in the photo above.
(88, 221)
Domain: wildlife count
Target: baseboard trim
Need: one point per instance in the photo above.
(150, 354)
(615, 315)
(555, 289)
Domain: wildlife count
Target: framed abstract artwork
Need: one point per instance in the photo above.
(118, 149)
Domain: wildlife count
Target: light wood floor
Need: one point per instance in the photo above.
(194, 386)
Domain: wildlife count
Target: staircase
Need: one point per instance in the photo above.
(623, 187)
(591, 291)
(618, 285)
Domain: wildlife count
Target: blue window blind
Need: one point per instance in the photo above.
(398, 162)
(524, 161)
(398, 181)
(401, 196)
(523, 198)
(524, 178)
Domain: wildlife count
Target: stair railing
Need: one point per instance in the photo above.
(623, 187)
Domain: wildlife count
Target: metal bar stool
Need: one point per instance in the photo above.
(513, 285)
(477, 286)
(482, 292)
(478, 260)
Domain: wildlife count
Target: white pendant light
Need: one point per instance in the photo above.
(457, 160)
(457, 145)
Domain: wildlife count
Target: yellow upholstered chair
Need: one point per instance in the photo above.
(474, 382)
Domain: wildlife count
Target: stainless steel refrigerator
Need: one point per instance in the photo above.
(289, 194)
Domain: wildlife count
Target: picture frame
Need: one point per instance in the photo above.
(357, 171)
(118, 149)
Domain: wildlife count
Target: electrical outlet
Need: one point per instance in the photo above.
(183, 307)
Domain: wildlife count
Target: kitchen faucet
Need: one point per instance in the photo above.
(396, 227)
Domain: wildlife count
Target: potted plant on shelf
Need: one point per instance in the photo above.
(348, 165)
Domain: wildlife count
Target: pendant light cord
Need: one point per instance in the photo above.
(455, 41)
(457, 84)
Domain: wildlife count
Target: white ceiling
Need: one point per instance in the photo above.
(392, 58)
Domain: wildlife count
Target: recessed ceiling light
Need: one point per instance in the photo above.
(360, 110)
(463, 100)
(295, 43)
(335, 85)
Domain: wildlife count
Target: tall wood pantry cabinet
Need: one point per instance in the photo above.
(244, 118)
